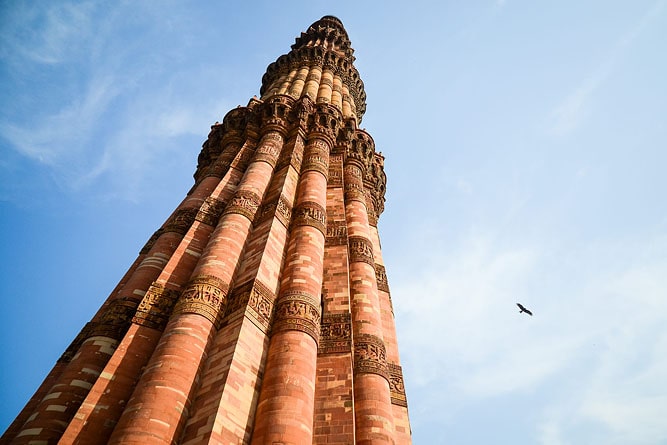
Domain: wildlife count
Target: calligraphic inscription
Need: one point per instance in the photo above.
(181, 221)
(381, 278)
(310, 213)
(151, 242)
(269, 148)
(335, 171)
(205, 295)
(255, 300)
(155, 308)
(115, 319)
(336, 233)
(316, 157)
(370, 356)
(210, 211)
(361, 250)
(219, 167)
(284, 211)
(396, 386)
(298, 311)
(335, 334)
(244, 203)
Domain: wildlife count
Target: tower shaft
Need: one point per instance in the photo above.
(259, 312)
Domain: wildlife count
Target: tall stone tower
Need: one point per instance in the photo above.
(259, 312)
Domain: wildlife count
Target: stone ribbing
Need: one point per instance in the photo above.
(286, 402)
(197, 314)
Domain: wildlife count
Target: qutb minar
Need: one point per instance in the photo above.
(259, 312)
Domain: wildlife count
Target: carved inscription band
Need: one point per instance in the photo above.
(269, 148)
(210, 211)
(317, 157)
(181, 221)
(335, 334)
(255, 299)
(336, 233)
(310, 213)
(298, 311)
(396, 386)
(361, 250)
(244, 203)
(155, 308)
(381, 278)
(370, 356)
(205, 295)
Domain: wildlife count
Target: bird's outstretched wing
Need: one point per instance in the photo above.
(523, 309)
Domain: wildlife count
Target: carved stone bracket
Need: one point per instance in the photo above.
(298, 311)
(244, 203)
(381, 278)
(181, 221)
(335, 334)
(156, 306)
(205, 295)
(370, 355)
(312, 214)
(336, 233)
(396, 387)
(210, 211)
(361, 250)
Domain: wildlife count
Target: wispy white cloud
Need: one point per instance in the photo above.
(599, 337)
(577, 106)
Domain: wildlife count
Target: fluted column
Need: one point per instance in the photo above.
(97, 416)
(372, 402)
(286, 403)
(181, 352)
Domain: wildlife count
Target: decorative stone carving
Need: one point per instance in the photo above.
(335, 334)
(361, 149)
(316, 157)
(210, 211)
(396, 386)
(353, 188)
(370, 356)
(269, 148)
(298, 311)
(336, 233)
(205, 295)
(181, 221)
(335, 178)
(256, 300)
(361, 250)
(275, 113)
(73, 348)
(312, 214)
(324, 123)
(381, 278)
(115, 319)
(244, 203)
(156, 306)
(151, 242)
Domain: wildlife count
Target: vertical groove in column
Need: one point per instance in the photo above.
(198, 311)
(286, 404)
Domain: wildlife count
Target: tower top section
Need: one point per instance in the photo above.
(323, 56)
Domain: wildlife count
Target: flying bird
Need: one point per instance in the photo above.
(523, 309)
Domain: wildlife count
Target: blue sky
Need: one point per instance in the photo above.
(525, 154)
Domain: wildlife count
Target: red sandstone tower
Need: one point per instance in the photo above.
(259, 313)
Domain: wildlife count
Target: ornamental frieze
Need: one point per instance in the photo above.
(310, 213)
(156, 306)
(336, 233)
(210, 211)
(361, 250)
(181, 221)
(335, 334)
(335, 171)
(381, 278)
(298, 311)
(316, 157)
(205, 295)
(269, 148)
(292, 155)
(255, 300)
(115, 319)
(244, 203)
(370, 356)
(396, 386)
